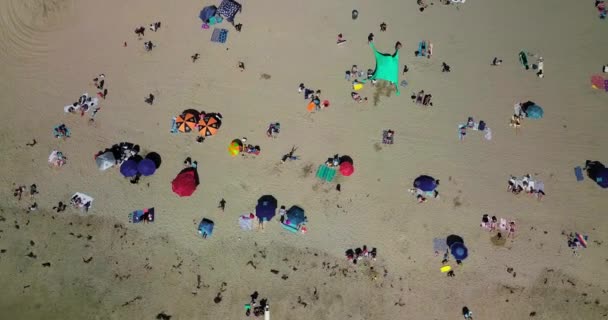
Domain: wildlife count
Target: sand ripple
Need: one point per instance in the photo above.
(23, 25)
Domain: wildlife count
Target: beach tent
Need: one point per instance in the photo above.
(207, 13)
(266, 208)
(205, 228)
(209, 124)
(387, 67)
(425, 183)
(294, 218)
(105, 160)
(146, 167)
(185, 182)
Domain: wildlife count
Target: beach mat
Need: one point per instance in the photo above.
(523, 59)
(578, 172)
(326, 173)
(219, 35)
(440, 245)
(137, 216)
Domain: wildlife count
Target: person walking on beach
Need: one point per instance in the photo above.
(195, 57)
(222, 204)
(150, 99)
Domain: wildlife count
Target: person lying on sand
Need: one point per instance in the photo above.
(357, 97)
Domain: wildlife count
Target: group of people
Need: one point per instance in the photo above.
(273, 130)
(492, 224)
(422, 98)
(526, 184)
(258, 308)
(313, 96)
(80, 203)
(360, 253)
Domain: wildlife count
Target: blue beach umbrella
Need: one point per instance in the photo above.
(146, 167)
(534, 112)
(129, 168)
(459, 251)
(425, 183)
(266, 208)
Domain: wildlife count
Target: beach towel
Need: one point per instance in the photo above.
(503, 224)
(219, 35)
(523, 59)
(578, 172)
(246, 222)
(440, 245)
(58, 134)
(326, 173)
(386, 139)
(82, 201)
(173, 126)
(138, 216)
(228, 9)
(56, 158)
(421, 49)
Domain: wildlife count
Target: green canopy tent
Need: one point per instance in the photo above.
(387, 66)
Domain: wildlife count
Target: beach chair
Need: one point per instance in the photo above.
(578, 172)
(388, 136)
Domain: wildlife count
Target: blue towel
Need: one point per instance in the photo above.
(219, 35)
(138, 216)
(578, 172)
(173, 126)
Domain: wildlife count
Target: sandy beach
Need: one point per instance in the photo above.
(97, 265)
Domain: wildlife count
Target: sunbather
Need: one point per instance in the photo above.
(511, 230)
(357, 97)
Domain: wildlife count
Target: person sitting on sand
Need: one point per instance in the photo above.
(485, 222)
(511, 230)
(494, 223)
(496, 62)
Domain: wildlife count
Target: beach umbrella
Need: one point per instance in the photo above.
(266, 208)
(129, 168)
(146, 167)
(346, 168)
(156, 158)
(601, 177)
(186, 122)
(425, 183)
(185, 182)
(105, 160)
(451, 239)
(207, 13)
(235, 147)
(209, 124)
(534, 112)
(295, 216)
(459, 251)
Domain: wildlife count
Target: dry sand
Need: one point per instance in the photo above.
(51, 49)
